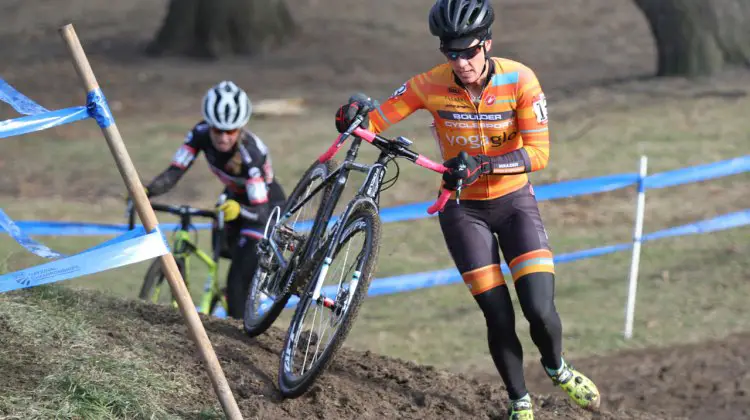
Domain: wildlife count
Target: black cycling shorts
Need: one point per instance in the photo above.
(476, 230)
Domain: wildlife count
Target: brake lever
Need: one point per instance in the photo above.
(353, 126)
(366, 105)
(459, 183)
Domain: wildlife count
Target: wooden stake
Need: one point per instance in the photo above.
(148, 218)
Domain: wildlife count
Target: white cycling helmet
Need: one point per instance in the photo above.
(226, 106)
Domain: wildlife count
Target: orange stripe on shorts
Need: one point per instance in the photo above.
(483, 279)
(539, 261)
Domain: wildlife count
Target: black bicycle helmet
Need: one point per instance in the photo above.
(454, 19)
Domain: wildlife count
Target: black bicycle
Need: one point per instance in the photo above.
(298, 255)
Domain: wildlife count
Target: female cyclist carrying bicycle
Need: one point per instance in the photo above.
(242, 163)
(494, 110)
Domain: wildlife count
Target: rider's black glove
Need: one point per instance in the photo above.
(473, 168)
(358, 104)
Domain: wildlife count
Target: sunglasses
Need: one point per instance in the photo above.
(219, 132)
(466, 54)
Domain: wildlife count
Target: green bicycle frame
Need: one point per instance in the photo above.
(184, 247)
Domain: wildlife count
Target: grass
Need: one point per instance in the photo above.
(689, 290)
(682, 279)
(59, 360)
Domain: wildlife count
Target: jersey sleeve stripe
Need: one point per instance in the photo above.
(539, 130)
(383, 116)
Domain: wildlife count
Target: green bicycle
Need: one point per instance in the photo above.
(184, 245)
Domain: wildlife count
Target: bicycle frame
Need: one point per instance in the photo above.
(184, 247)
(369, 193)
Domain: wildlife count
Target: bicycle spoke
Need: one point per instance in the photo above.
(279, 255)
(303, 210)
(307, 348)
(328, 312)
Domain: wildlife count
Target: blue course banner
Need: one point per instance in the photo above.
(19, 102)
(131, 247)
(413, 211)
(698, 173)
(31, 245)
(578, 187)
(409, 282)
(38, 122)
(37, 117)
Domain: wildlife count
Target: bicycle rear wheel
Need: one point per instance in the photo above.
(339, 303)
(269, 289)
(154, 280)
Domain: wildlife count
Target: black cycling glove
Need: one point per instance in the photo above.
(358, 104)
(473, 167)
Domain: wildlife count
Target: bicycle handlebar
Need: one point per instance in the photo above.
(177, 210)
(397, 146)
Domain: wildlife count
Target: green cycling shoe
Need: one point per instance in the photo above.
(521, 409)
(581, 389)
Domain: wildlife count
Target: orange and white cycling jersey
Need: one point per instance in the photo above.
(511, 118)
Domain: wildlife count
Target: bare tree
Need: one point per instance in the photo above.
(699, 37)
(215, 28)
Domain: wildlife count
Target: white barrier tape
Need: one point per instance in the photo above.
(101, 258)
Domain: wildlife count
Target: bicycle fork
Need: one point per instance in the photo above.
(334, 305)
(319, 293)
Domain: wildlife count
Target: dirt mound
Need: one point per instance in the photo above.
(698, 381)
(357, 385)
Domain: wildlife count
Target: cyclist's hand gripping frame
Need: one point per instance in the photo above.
(371, 137)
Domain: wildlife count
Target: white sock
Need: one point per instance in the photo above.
(526, 397)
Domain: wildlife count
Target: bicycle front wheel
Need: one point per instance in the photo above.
(153, 281)
(269, 289)
(320, 326)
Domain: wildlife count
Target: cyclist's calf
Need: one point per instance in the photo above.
(504, 345)
(536, 296)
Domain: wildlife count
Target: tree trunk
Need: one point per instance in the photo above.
(698, 37)
(216, 28)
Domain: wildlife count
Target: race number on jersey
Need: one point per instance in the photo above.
(184, 155)
(257, 191)
(540, 108)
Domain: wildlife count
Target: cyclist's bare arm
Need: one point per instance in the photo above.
(532, 121)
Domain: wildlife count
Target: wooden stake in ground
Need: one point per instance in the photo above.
(148, 218)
